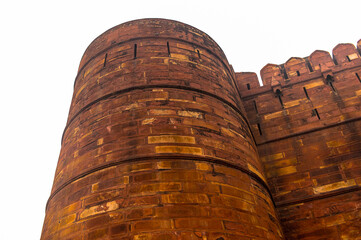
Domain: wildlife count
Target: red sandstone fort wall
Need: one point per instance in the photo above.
(157, 144)
(165, 141)
(310, 142)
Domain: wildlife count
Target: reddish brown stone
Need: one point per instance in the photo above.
(165, 141)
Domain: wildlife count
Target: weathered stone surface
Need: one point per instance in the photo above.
(310, 143)
(157, 144)
(165, 141)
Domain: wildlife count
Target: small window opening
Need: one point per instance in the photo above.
(259, 129)
(333, 88)
(199, 55)
(348, 58)
(329, 80)
(248, 86)
(168, 49)
(358, 77)
(280, 99)
(255, 106)
(315, 112)
(105, 60)
(309, 65)
(278, 95)
(285, 74)
(298, 73)
(306, 93)
(135, 51)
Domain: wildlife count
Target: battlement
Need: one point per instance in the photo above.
(296, 69)
(296, 92)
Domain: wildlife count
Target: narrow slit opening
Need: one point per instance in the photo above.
(105, 60)
(309, 65)
(331, 85)
(330, 80)
(280, 99)
(348, 58)
(259, 129)
(278, 95)
(315, 112)
(199, 55)
(255, 106)
(306, 93)
(285, 74)
(135, 51)
(248, 86)
(358, 77)
(298, 73)
(168, 49)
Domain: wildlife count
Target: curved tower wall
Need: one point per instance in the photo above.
(157, 145)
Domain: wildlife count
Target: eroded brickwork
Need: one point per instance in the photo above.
(157, 144)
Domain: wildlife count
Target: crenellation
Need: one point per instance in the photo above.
(247, 81)
(295, 67)
(271, 73)
(302, 69)
(319, 59)
(344, 53)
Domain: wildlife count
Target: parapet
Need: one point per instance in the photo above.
(149, 28)
(320, 59)
(344, 53)
(250, 78)
(297, 69)
(271, 73)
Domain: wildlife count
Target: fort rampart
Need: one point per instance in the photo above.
(306, 122)
(165, 141)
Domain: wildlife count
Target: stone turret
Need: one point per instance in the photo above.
(157, 144)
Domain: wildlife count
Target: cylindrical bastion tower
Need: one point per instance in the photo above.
(157, 145)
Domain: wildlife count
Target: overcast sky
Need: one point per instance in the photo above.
(42, 43)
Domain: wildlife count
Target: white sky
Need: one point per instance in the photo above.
(42, 42)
